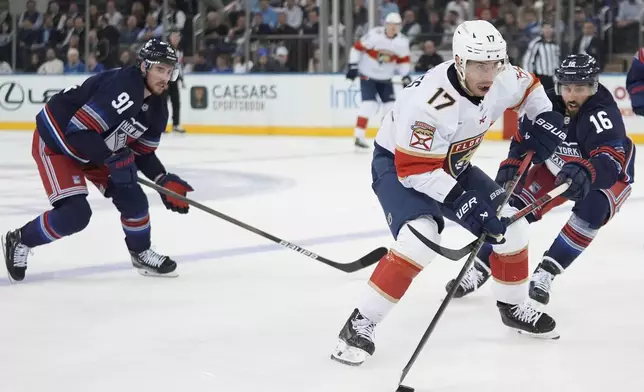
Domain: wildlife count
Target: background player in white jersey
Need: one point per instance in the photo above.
(421, 175)
(375, 58)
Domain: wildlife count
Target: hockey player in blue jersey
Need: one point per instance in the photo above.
(597, 157)
(635, 83)
(104, 131)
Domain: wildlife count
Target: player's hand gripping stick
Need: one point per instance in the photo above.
(122, 168)
(479, 243)
(354, 266)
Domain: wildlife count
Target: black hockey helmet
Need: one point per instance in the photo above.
(156, 51)
(577, 69)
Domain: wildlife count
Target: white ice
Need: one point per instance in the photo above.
(248, 315)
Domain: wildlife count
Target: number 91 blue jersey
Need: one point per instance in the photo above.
(110, 103)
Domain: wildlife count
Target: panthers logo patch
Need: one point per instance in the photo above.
(422, 136)
(461, 153)
(385, 56)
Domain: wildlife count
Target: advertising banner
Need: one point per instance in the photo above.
(298, 104)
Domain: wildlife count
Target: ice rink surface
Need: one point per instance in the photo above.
(248, 315)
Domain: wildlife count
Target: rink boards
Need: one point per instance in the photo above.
(255, 104)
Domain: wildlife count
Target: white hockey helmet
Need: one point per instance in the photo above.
(393, 18)
(477, 40)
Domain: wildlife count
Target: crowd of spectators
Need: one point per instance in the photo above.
(283, 34)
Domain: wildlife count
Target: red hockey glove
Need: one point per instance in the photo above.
(177, 185)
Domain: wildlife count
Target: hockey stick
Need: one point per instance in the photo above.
(450, 294)
(354, 266)
(457, 254)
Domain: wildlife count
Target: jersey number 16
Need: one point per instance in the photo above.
(601, 122)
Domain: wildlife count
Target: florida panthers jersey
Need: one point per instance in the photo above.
(380, 57)
(596, 133)
(435, 126)
(110, 103)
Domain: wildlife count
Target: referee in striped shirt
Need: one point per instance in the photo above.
(542, 56)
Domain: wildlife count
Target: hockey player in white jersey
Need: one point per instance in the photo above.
(422, 174)
(375, 58)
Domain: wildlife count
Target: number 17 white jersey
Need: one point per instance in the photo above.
(435, 127)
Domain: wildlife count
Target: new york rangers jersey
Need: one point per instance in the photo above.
(596, 133)
(380, 57)
(435, 126)
(635, 82)
(111, 104)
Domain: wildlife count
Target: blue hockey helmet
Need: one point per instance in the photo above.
(156, 51)
(577, 69)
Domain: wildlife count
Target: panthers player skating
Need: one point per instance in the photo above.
(103, 131)
(597, 156)
(421, 175)
(635, 82)
(375, 58)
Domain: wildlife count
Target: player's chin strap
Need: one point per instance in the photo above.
(478, 244)
(363, 262)
(457, 254)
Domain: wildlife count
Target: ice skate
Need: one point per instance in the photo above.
(150, 263)
(475, 277)
(361, 144)
(356, 340)
(15, 255)
(541, 281)
(527, 320)
(178, 129)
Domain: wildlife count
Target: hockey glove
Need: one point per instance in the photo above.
(543, 136)
(476, 215)
(507, 171)
(177, 185)
(406, 80)
(122, 168)
(352, 73)
(581, 175)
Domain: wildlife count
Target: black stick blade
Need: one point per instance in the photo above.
(452, 254)
(365, 261)
(404, 388)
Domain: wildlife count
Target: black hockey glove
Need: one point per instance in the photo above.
(507, 171)
(352, 73)
(122, 168)
(581, 175)
(406, 80)
(476, 215)
(543, 136)
(177, 185)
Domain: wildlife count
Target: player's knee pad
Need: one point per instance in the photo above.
(594, 210)
(406, 258)
(72, 214)
(130, 202)
(368, 109)
(410, 247)
(517, 235)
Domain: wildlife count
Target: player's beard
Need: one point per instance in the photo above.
(156, 88)
(572, 110)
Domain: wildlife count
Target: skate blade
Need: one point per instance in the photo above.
(347, 355)
(552, 335)
(149, 273)
(4, 255)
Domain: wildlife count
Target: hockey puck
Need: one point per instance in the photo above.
(404, 388)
